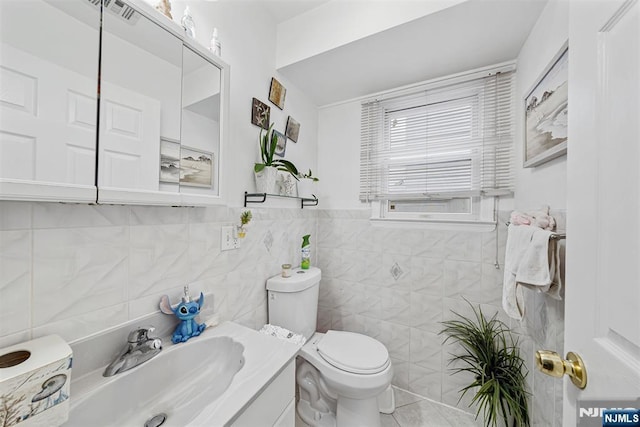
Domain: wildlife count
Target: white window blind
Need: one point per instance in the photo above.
(451, 141)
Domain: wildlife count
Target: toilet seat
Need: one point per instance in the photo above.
(354, 353)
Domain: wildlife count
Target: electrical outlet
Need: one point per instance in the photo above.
(228, 239)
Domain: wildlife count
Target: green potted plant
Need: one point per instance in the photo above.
(266, 171)
(307, 185)
(492, 356)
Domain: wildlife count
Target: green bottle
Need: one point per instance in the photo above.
(305, 263)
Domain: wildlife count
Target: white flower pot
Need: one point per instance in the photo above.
(266, 180)
(307, 188)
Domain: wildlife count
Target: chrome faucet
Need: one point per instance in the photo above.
(140, 348)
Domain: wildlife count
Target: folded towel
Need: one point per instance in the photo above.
(283, 334)
(531, 260)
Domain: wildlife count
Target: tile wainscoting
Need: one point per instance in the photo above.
(77, 270)
(398, 284)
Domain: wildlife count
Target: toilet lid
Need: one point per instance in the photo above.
(353, 352)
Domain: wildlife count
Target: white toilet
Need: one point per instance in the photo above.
(340, 374)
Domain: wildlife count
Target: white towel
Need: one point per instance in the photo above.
(531, 260)
(518, 239)
(540, 267)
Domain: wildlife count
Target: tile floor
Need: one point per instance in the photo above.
(413, 410)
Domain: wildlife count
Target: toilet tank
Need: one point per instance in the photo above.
(293, 301)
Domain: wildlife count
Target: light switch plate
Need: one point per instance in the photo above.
(228, 239)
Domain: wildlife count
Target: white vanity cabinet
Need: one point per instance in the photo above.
(48, 100)
(275, 406)
(117, 107)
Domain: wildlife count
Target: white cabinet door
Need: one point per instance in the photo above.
(603, 207)
(129, 144)
(48, 102)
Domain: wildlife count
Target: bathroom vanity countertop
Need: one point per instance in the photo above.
(265, 357)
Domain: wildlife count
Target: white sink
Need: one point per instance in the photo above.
(179, 382)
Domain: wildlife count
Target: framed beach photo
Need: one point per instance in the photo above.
(546, 110)
(169, 161)
(277, 92)
(196, 168)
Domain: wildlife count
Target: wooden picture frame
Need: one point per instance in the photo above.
(281, 146)
(277, 93)
(260, 113)
(546, 110)
(293, 129)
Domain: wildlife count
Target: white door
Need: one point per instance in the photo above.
(602, 318)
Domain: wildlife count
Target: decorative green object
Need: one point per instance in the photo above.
(308, 176)
(305, 262)
(245, 217)
(492, 356)
(268, 145)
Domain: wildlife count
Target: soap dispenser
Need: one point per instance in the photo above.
(188, 24)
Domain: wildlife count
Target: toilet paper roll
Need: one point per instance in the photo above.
(35, 378)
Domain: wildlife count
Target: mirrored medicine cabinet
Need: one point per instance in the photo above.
(127, 112)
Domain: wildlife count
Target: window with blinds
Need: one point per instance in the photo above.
(441, 150)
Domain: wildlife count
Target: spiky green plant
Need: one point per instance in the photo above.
(492, 356)
(245, 217)
(268, 144)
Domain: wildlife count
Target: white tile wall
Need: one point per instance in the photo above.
(440, 269)
(76, 270)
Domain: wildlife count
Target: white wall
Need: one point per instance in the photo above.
(339, 156)
(547, 183)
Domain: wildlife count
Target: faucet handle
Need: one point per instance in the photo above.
(139, 335)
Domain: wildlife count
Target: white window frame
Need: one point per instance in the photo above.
(481, 218)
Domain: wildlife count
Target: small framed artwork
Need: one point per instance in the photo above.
(293, 129)
(260, 113)
(169, 161)
(277, 93)
(281, 146)
(546, 110)
(196, 168)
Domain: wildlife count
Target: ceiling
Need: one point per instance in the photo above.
(282, 10)
(470, 35)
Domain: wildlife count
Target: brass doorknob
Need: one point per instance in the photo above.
(550, 363)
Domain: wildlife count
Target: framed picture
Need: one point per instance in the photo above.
(196, 168)
(293, 129)
(281, 146)
(260, 113)
(546, 113)
(277, 93)
(169, 161)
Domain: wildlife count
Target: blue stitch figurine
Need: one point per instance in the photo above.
(185, 311)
